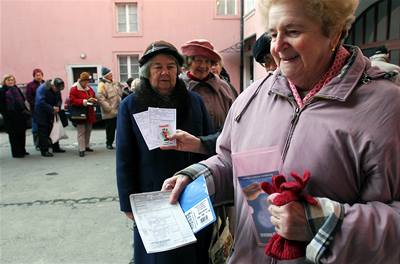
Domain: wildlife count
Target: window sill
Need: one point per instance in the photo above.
(127, 35)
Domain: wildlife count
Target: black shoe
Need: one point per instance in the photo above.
(26, 153)
(59, 150)
(18, 156)
(47, 154)
(81, 153)
(89, 150)
(110, 147)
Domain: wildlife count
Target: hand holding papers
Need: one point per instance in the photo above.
(156, 125)
(164, 226)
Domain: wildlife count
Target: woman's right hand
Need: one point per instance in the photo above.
(176, 183)
(130, 215)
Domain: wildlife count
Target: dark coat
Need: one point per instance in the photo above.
(13, 109)
(45, 100)
(31, 92)
(141, 170)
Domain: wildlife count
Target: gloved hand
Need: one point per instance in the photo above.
(279, 247)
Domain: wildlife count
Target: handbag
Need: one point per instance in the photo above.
(222, 240)
(63, 117)
(78, 112)
(57, 132)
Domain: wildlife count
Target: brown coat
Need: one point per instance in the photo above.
(109, 97)
(217, 96)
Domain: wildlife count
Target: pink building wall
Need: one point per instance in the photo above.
(52, 34)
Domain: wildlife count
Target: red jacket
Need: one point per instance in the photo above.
(77, 95)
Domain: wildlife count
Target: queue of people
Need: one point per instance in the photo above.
(322, 111)
(318, 106)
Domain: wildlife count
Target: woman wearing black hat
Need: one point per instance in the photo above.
(142, 170)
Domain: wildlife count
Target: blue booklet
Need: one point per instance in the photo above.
(196, 204)
(257, 201)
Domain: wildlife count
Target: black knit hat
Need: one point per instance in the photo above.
(160, 47)
(261, 48)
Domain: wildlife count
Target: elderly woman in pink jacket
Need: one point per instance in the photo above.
(325, 110)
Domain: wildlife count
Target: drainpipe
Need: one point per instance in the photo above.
(241, 44)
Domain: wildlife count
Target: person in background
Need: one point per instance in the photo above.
(47, 104)
(142, 170)
(30, 96)
(261, 52)
(206, 144)
(126, 90)
(109, 95)
(380, 59)
(135, 83)
(82, 95)
(216, 93)
(15, 112)
(325, 110)
(218, 69)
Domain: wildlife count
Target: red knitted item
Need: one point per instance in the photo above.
(279, 247)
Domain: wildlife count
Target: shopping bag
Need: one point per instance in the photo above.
(57, 132)
(78, 112)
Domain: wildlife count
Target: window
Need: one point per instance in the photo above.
(127, 18)
(128, 67)
(249, 6)
(226, 7)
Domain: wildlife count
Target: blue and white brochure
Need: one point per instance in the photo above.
(196, 204)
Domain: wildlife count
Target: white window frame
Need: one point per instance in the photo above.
(225, 14)
(126, 5)
(129, 64)
(248, 8)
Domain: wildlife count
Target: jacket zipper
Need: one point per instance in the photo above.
(293, 123)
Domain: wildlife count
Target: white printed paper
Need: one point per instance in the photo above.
(156, 124)
(162, 226)
(200, 215)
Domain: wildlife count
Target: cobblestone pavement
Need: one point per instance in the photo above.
(62, 209)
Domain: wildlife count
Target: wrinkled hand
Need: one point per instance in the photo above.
(56, 109)
(176, 183)
(289, 220)
(185, 142)
(130, 215)
(92, 100)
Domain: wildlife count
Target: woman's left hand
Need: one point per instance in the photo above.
(289, 220)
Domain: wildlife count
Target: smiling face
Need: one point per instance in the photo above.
(298, 46)
(163, 74)
(200, 67)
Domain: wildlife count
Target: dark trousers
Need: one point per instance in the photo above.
(111, 125)
(17, 142)
(44, 138)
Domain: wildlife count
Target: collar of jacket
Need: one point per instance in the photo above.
(80, 88)
(341, 86)
(211, 82)
(105, 80)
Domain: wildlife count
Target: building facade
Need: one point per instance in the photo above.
(66, 37)
(377, 23)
